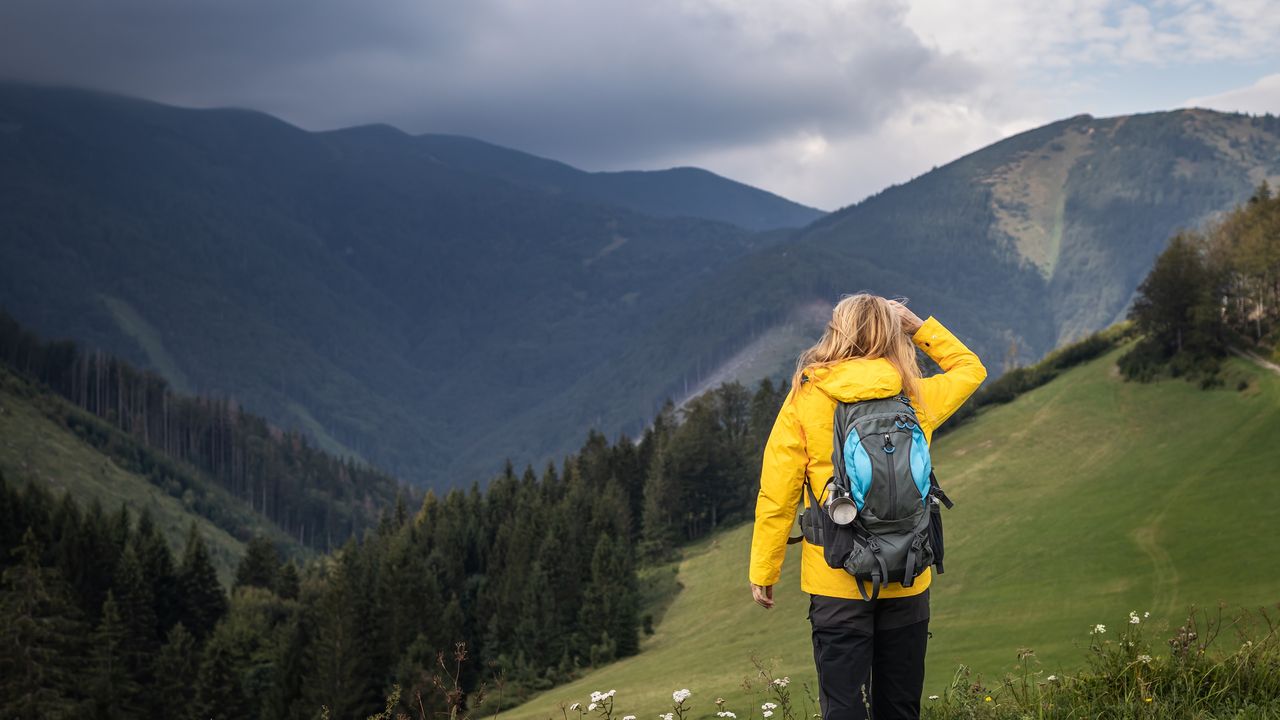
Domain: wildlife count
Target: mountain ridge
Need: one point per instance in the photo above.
(390, 297)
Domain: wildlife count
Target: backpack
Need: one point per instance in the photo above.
(881, 463)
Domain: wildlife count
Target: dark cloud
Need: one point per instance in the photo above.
(596, 82)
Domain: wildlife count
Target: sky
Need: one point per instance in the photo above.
(821, 101)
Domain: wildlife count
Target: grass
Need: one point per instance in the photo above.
(35, 449)
(1080, 501)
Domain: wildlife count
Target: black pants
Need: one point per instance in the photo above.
(870, 656)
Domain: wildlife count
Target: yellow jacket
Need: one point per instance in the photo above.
(800, 447)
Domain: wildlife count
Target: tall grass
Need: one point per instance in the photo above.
(1212, 667)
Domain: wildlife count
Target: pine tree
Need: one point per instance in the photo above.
(200, 594)
(219, 692)
(339, 656)
(1173, 306)
(137, 612)
(596, 614)
(287, 582)
(113, 691)
(159, 572)
(259, 566)
(39, 639)
(661, 507)
(176, 671)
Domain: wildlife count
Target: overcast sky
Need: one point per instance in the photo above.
(822, 101)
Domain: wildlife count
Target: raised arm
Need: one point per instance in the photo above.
(781, 480)
(962, 371)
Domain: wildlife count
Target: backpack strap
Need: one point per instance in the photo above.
(935, 490)
(878, 576)
(913, 556)
(813, 507)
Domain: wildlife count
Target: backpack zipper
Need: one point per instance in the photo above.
(893, 478)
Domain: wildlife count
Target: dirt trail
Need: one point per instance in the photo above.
(1165, 592)
(1256, 360)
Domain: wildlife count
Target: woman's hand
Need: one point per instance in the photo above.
(763, 595)
(910, 321)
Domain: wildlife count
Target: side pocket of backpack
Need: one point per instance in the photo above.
(935, 533)
(811, 527)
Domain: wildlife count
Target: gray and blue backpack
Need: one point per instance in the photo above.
(880, 518)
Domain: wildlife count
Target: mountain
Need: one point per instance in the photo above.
(435, 304)
(1023, 245)
(677, 192)
(1076, 503)
(348, 283)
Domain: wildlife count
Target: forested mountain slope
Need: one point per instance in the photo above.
(348, 283)
(435, 304)
(37, 448)
(100, 428)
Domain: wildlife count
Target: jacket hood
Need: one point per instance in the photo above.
(857, 379)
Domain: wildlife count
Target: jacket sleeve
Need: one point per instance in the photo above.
(781, 481)
(962, 372)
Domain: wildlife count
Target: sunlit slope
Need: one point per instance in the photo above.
(1078, 502)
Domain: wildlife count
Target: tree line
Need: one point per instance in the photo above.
(314, 497)
(1208, 292)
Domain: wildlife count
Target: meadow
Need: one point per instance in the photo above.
(1077, 503)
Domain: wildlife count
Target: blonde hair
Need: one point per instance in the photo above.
(864, 326)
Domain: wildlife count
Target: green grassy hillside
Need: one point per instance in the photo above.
(1078, 502)
(35, 448)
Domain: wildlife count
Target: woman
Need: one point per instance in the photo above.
(869, 653)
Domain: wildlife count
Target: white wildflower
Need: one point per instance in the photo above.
(575, 706)
(769, 706)
(782, 681)
(628, 717)
(611, 693)
(767, 713)
(666, 716)
(1146, 614)
(597, 696)
(681, 695)
(1098, 629)
(723, 714)
(1133, 617)
(1144, 659)
(1052, 678)
(591, 707)
(933, 697)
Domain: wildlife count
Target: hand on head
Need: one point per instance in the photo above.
(910, 321)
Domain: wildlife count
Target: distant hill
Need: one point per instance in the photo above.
(1076, 503)
(677, 192)
(347, 283)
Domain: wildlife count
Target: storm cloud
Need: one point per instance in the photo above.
(824, 101)
(603, 84)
